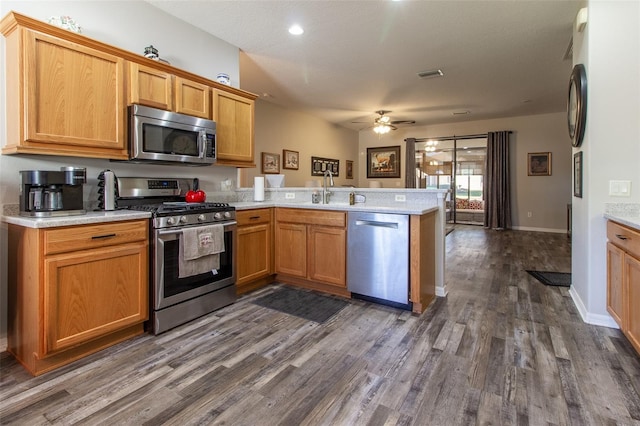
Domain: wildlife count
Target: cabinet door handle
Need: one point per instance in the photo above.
(254, 217)
(98, 237)
(622, 237)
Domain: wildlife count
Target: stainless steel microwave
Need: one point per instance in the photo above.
(168, 137)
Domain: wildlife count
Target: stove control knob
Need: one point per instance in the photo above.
(183, 219)
(217, 216)
(201, 218)
(227, 215)
(171, 221)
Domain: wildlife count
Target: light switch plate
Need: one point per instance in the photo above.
(620, 188)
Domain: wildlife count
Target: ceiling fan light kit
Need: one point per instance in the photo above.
(381, 128)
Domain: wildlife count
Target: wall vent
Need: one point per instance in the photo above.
(430, 74)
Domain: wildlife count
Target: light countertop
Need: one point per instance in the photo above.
(397, 208)
(624, 213)
(92, 217)
(630, 220)
(85, 219)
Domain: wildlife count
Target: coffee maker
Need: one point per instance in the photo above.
(46, 193)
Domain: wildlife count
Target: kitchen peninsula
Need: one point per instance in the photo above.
(309, 227)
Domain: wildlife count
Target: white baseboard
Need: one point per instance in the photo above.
(589, 318)
(441, 292)
(529, 228)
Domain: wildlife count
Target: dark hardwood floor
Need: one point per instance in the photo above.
(502, 348)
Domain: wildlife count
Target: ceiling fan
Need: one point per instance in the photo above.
(383, 123)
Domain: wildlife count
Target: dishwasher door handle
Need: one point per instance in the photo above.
(392, 225)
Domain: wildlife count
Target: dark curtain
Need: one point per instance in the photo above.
(497, 206)
(410, 163)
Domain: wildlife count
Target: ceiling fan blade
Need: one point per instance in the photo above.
(403, 122)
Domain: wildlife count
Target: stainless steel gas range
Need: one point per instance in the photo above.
(180, 294)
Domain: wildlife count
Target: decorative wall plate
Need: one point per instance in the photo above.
(577, 104)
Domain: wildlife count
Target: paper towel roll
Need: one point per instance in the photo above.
(258, 188)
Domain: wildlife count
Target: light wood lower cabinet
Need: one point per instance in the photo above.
(623, 279)
(310, 247)
(255, 248)
(75, 290)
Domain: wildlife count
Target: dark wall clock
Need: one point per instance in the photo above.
(577, 104)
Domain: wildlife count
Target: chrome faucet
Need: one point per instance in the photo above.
(325, 191)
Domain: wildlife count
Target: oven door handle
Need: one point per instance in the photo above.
(179, 231)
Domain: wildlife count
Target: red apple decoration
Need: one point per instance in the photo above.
(191, 197)
(201, 196)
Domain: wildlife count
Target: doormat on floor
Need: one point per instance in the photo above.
(562, 279)
(303, 304)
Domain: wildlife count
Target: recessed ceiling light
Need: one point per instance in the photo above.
(296, 30)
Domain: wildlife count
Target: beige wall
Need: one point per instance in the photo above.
(546, 197)
(277, 128)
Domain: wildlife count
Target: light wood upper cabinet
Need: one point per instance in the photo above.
(151, 87)
(75, 290)
(160, 89)
(67, 94)
(68, 97)
(192, 98)
(234, 117)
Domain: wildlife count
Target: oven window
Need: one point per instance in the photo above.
(174, 285)
(166, 140)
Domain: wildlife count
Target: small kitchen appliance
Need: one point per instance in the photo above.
(46, 193)
(107, 190)
(177, 299)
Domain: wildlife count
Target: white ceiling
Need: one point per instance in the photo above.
(499, 58)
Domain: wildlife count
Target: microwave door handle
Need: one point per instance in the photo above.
(202, 143)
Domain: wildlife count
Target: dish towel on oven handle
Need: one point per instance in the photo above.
(199, 250)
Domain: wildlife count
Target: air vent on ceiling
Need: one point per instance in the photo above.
(430, 74)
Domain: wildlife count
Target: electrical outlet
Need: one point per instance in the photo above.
(290, 195)
(529, 214)
(401, 197)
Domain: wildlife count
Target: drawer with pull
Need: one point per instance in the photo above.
(83, 237)
(624, 237)
(252, 217)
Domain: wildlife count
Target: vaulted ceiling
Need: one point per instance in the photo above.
(499, 58)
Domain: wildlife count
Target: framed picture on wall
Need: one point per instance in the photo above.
(539, 164)
(270, 163)
(290, 159)
(319, 165)
(349, 172)
(383, 162)
(577, 174)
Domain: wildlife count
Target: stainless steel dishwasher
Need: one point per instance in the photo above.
(378, 258)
